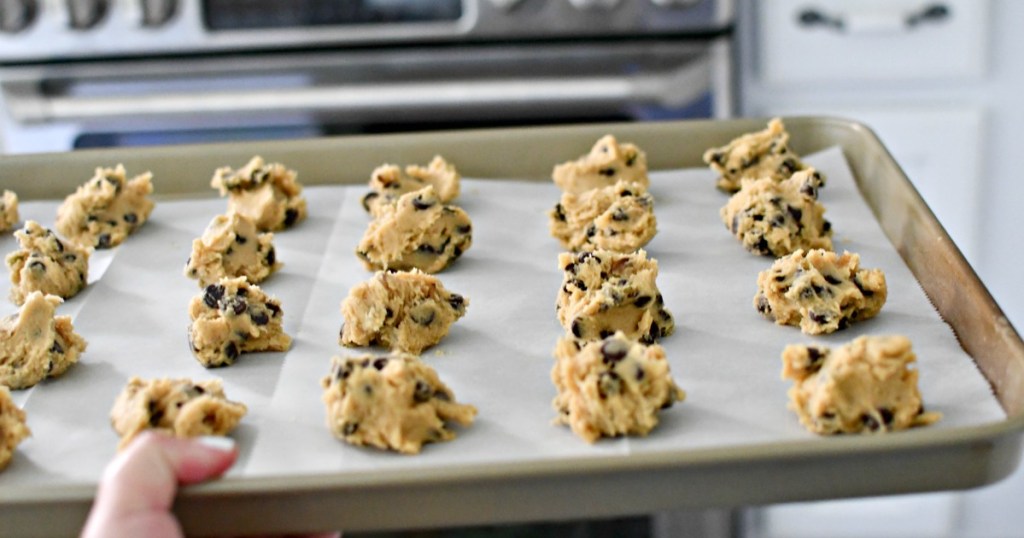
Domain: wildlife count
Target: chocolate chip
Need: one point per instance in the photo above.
(761, 247)
(631, 159)
(131, 218)
(832, 280)
(640, 375)
(763, 305)
(57, 243)
(456, 301)
(419, 204)
(428, 249)
(37, 266)
(380, 363)
(570, 268)
(826, 226)
(577, 328)
(349, 428)
(231, 351)
(642, 301)
(605, 333)
(56, 348)
(870, 422)
(625, 192)
(814, 357)
(271, 256)
(607, 172)
(620, 215)
(582, 286)
(103, 241)
(70, 258)
(259, 317)
(613, 351)
(464, 229)
(214, 293)
(422, 392)
(591, 230)
(240, 239)
(370, 196)
(559, 213)
(887, 415)
(290, 216)
(608, 383)
(236, 304)
(274, 309)
(819, 318)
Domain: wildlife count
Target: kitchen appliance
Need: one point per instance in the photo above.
(102, 73)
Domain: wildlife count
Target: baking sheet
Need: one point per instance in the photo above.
(498, 357)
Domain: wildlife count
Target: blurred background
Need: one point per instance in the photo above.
(939, 81)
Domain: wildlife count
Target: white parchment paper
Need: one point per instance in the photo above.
(498, 357)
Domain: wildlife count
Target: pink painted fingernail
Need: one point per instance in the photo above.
(217, 442)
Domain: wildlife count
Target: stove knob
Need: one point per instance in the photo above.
(16, 15)
(84, 14)
(592, 4)
(156, 12)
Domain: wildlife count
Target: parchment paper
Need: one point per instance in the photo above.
(498, 357)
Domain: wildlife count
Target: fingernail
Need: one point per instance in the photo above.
(217, 442)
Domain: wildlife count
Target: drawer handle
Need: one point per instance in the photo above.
(933, 13)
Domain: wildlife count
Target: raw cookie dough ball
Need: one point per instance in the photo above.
(416, 232)
(775, 218)
(12, 427)
(403, 311)
(395, 402)
(604, 292)
(866, 386)
(36, 344)
(611, 387)
(606, 163)
(233, 317)
(8, 210)
(269, 194)
(106, 209)
(618, 217)
(388, 182)
(232, 247)
(754, 155)
(820, 291)
(179, 407)
(47, 264)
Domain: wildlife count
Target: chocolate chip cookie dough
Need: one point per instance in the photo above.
(394, 402)
(232, 247)
(388, 182)
(45, 263)
(754, 155)
(36, 344)
(604, 292)
(179, 407)
(611, 387)
(606, 163)
(775, 218)
(269, 194)
(106, 209)
(866, 386)
(403, 311)
(416, 232)
(618, 217)
(820, 291)
(8, 210)
(12, 427)
(233, 317)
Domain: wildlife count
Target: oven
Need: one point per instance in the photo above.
(107, 73)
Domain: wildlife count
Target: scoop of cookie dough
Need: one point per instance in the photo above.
(106, 209)
(604, 292)
(12, 427)
(179, 407)
(36, 344)
(8, 210)
(45, 263)
(404, 311)
(416, 232)
(269, 194)
(233, 317)
(820, 291)
(865, 386)
(754, 155)
(232, 247)
(388, 182)
(775, 218)
(606, 163)
(618, 217)
(394, 402)
(611, 387)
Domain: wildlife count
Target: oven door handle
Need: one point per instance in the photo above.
(27, 104)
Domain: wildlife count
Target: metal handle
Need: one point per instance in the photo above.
(28, 105)
(933, 13)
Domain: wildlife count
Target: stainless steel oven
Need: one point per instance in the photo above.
(89, 73)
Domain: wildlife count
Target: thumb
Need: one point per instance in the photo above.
(140, 483)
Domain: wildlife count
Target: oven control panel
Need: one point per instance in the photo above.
(39, 31)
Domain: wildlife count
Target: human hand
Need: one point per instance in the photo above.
(139, 485)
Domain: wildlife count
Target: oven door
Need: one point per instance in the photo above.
(57, 107)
